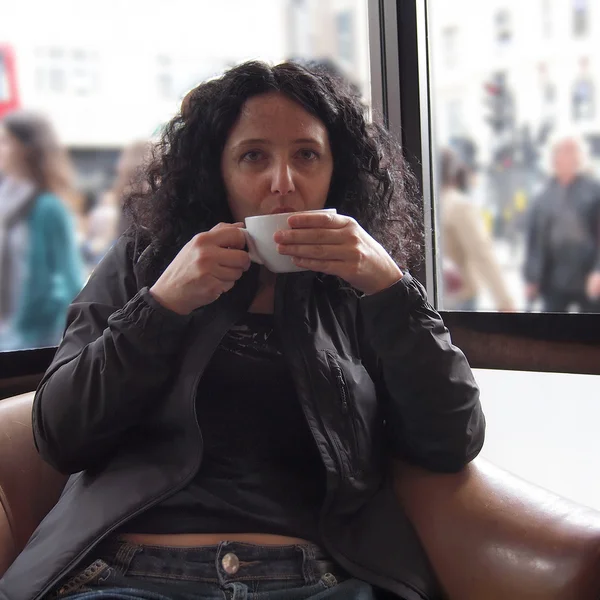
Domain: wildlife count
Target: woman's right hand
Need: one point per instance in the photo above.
(206, 267)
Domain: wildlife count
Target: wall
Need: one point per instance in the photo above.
(544, 427)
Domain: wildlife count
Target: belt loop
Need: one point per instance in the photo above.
(124, 556)
(218, 567)
(308, 564)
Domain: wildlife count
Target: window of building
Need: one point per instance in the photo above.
(503, 26)
(583, 100)
(547, 18)
(66, 71)
(345, 36)
(450, 46)
(581, 17)
(84, 72)
(164, 77)
(455, 118)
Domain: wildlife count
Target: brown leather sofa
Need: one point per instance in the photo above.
(489, 535)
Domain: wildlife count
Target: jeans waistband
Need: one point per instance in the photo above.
(226, 562)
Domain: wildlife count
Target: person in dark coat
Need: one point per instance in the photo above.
(229, 431)
(562, 263)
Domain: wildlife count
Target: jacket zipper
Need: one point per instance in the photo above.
(345, 401)
(339, 378)
(139, 510)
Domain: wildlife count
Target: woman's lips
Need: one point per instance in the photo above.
(282, 209)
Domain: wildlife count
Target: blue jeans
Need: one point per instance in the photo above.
(120, 570)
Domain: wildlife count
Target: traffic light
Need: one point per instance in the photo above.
(499, 102)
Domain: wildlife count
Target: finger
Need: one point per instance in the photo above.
(318, 251)
(310, 220)
(228, 257)
(329, 267)
(227, 236)
(222, 225)
(310, 236)
(227, 274)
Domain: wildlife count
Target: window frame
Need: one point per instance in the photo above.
(400, 90)
(545, 342)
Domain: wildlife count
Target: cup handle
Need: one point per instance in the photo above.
(254, 257)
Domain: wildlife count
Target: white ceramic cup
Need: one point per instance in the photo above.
(262, 248)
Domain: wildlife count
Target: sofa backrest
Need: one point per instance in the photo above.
(29, 487)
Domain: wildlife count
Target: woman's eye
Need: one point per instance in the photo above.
(252, 156)
(308, 154)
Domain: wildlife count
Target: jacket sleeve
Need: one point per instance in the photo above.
(429, 397)
(111, 367)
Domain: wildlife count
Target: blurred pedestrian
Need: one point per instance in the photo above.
(40, 269)
(107, 220)
(563, 235)
(467, 246)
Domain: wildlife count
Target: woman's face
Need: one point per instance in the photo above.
(11, 153)
(277, 158)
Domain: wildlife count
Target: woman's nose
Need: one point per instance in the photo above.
(282, 179)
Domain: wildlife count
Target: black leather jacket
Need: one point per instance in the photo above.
(377, 377)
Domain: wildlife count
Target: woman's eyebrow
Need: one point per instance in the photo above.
(308, 140)
(252, 141)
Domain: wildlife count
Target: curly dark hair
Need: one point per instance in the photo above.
(186, 194)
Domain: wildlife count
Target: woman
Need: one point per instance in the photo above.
(39, 265)
(468, 249)
(230, 432)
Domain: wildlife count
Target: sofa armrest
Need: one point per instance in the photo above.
(490, 535)
(29, 487)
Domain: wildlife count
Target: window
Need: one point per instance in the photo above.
(164, 79)
(503, 27)
(547, 18)
(455, 118)
(65, 71)
(450, 46)
(84, 73)
(581, 17)
(345, 36)
(530, 367)
(583, 100)
(300, 38)
(127, 81)
(515, 106)
(548, 103)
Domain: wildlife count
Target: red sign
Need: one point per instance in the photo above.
(9, 93)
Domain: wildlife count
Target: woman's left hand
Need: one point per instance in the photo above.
(338, 245)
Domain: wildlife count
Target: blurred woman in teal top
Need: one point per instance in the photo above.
(40, 266)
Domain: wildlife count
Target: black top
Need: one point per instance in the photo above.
(261, 471)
